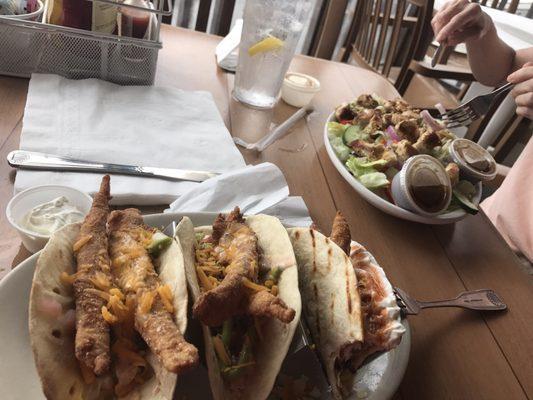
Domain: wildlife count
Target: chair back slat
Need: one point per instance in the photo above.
(386, 35)
(395, 35)
(374, 23)
(501, 5)
(382, 34)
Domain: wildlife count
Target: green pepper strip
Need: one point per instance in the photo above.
(245, 360)
(227, 330)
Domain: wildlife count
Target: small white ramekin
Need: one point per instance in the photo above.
(23, 202)
(400, 187)
(299, 95)
(468, 171)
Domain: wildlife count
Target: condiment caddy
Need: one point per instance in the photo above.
(81, 50)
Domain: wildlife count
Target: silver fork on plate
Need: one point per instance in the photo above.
(482, 299)
(466, 113)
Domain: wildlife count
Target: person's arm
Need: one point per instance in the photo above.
(490, 58)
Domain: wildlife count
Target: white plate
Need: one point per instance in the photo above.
(377, 380)
(383, 204)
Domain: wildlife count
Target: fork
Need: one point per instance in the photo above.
(482, 299)
(466, 113)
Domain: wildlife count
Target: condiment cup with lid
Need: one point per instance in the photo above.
(475, 162)
(422, 186)
(299, 89)
(23, 203)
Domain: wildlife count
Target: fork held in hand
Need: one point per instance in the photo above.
(482, 299)
(466, 113)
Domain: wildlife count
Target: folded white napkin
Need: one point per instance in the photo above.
(148, 126)
(255, 189)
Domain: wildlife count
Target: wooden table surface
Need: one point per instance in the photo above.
(455, 354)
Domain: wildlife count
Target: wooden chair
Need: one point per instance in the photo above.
(392, 38)
(221, 15)
(501, 4)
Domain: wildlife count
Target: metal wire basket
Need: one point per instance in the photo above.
(33, 46)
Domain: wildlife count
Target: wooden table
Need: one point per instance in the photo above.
(455, 354)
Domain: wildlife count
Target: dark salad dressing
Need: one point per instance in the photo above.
(427, 190)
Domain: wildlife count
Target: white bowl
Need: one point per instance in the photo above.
(385, 205)
(299, 95)
(24, 201)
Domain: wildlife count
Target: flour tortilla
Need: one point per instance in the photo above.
(332, 304)
(276, 252)
(53, 343)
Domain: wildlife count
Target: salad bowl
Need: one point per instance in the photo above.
(384, 204)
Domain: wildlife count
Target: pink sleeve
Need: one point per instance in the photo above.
(510, 208)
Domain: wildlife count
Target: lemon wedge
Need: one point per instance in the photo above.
(269, 43)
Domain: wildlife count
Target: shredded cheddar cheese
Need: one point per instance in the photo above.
(205, 283)
(101, 293)
(166, 297)
(81, 242)
(252, 285)
(122, 350)
(146, 302)
(100, 281)
(108, 317)
(117, 292)
(67, 279)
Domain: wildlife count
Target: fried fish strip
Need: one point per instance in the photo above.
(92, 331)
(340, 233)
(237, 248)
(134, 273)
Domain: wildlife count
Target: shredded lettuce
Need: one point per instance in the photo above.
(342, 151)
(336, 129)
(441, 153)
(374, 180)
(365, 171)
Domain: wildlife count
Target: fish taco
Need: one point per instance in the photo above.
(350, 305)
(108, 308)
(243, 278)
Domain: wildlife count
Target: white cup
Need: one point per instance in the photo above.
(23, 202)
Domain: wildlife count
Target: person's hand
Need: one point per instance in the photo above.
(523, 90)
(460, 21)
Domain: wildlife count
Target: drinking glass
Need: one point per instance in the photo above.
(271, 31)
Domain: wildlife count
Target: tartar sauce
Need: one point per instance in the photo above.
(48, 217)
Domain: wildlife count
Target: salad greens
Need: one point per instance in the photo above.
(365, 171)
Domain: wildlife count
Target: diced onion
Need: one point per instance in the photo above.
(391, 132)
(431, 123)
(440, 108)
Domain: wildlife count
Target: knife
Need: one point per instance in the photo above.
(437, 55)
(40, 161)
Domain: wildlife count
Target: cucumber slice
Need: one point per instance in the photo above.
(352, 133)
(465, 202)
(159, 242)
